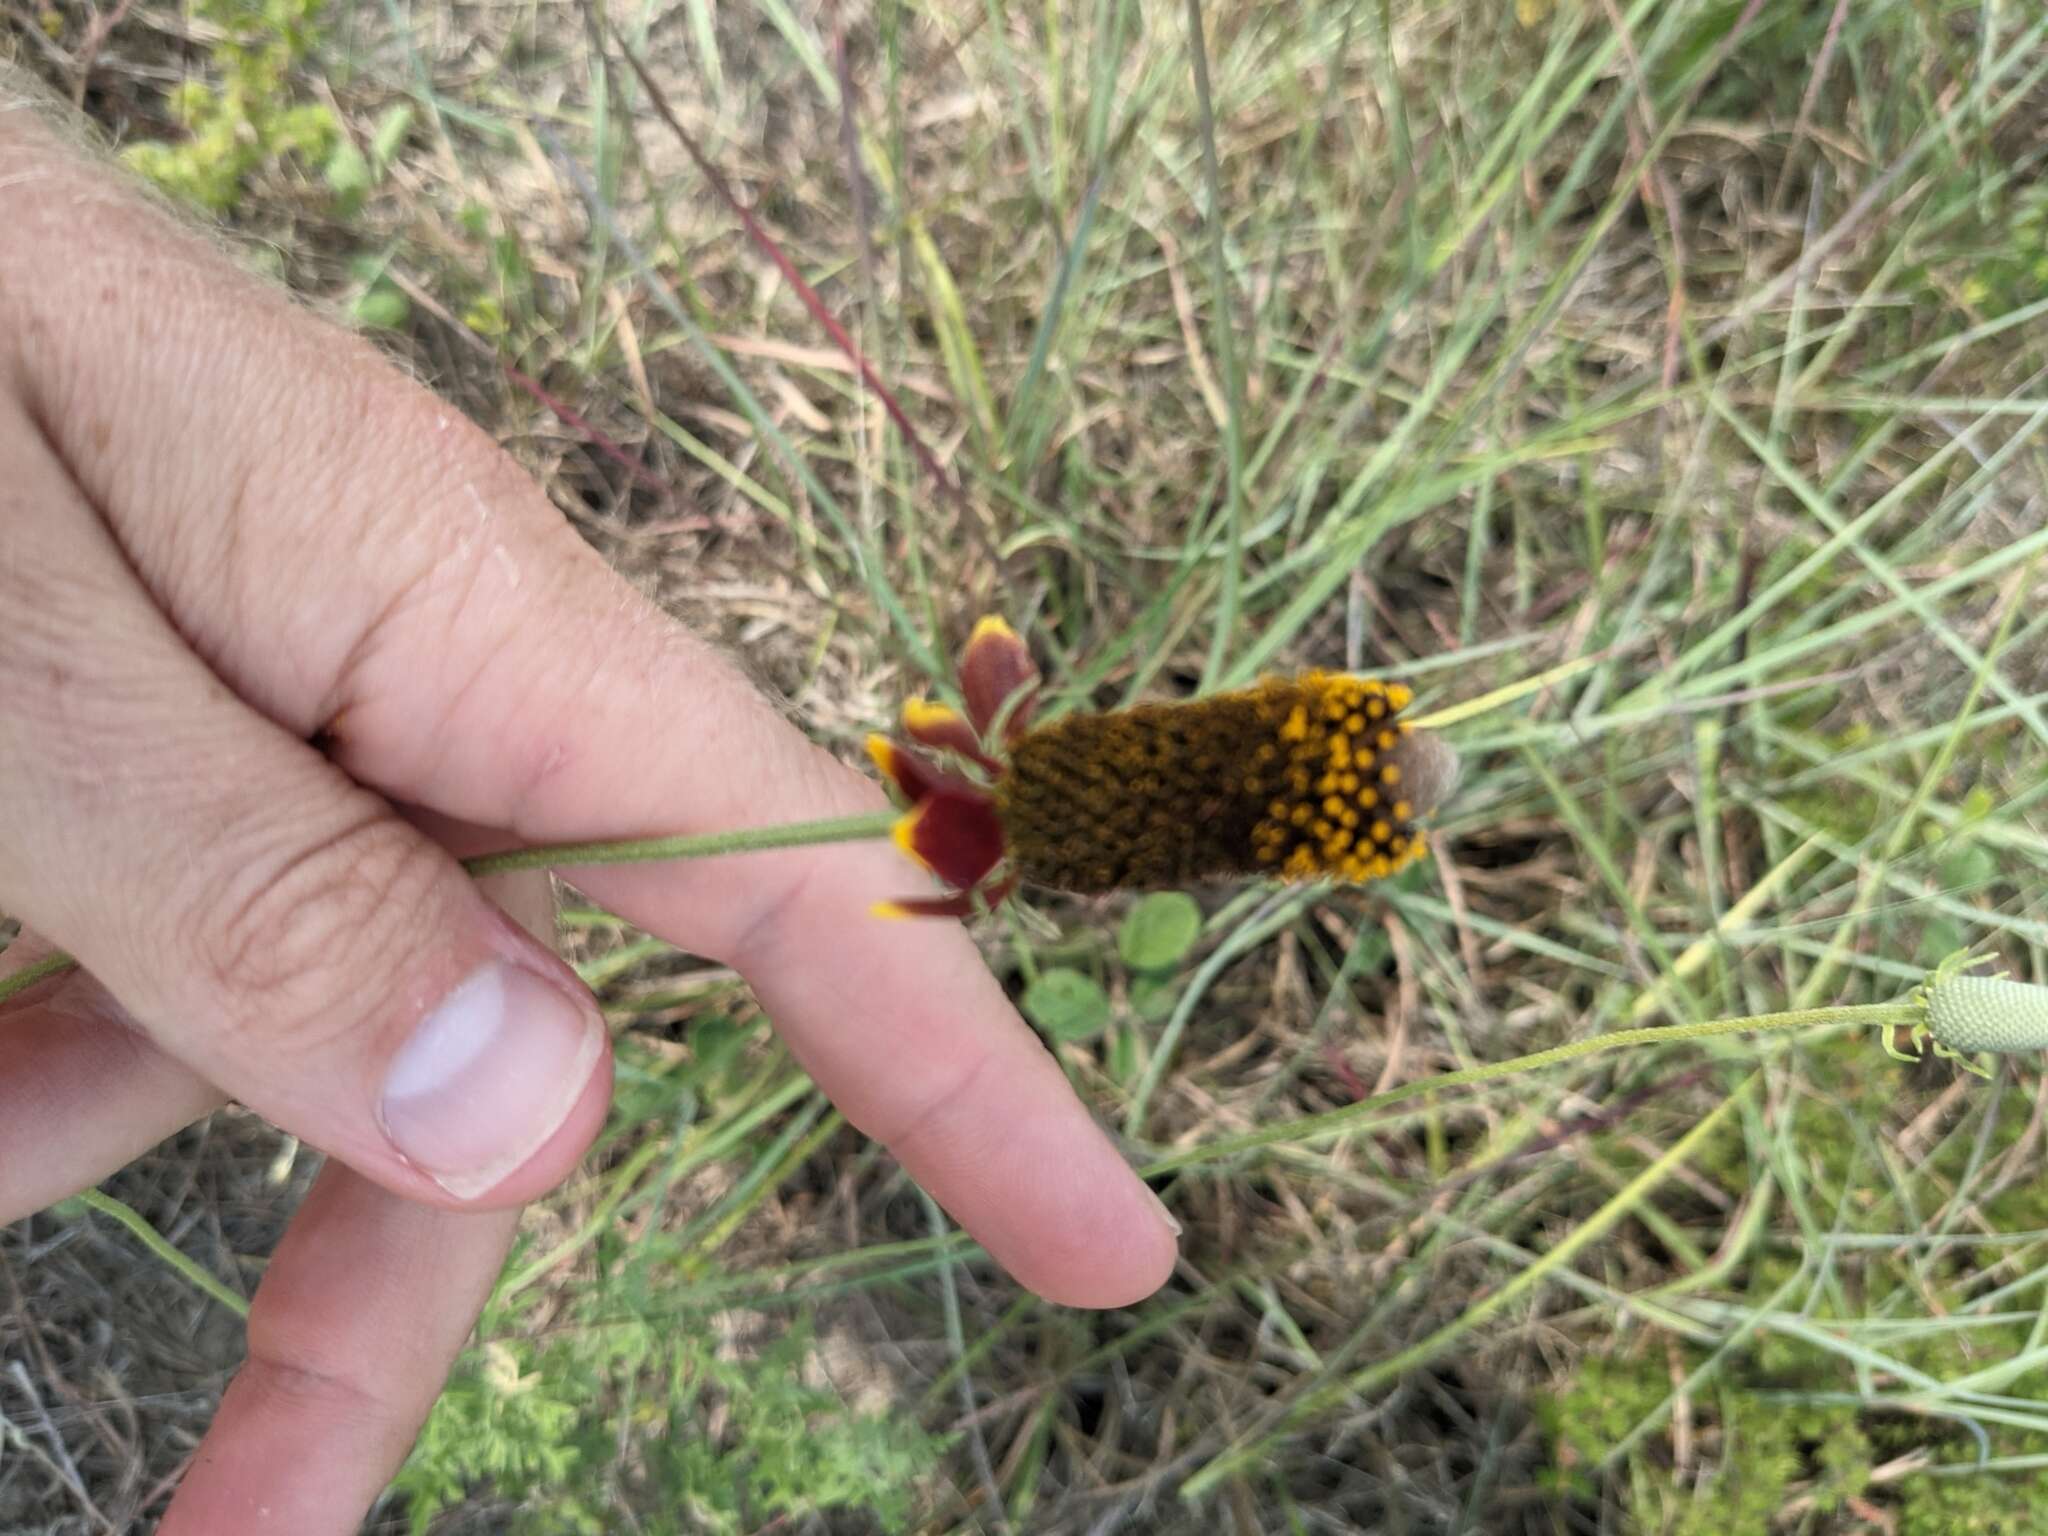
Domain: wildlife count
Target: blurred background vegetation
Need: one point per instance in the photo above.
(1700, 340)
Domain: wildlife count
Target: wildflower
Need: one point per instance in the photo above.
(1295, 778)
(1961, 1013)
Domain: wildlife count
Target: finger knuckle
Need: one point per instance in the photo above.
(294, 940)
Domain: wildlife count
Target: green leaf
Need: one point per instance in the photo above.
(1153, 997)
(1066, 1004)
(348, 175)
(389, 136)
(1159, 930)
(717, 1043)
(1940, 936)
(1970, 867)
(380, 307)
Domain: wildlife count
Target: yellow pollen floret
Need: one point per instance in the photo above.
(1291, 777)
(1331, 736)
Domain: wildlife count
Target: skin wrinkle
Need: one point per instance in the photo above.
(916, 1073)
(284, 950)
(903, 1138)
(267, 1373)
(765, 925)
(443, 576)
(80, 712)
(546, 759)
(443, 598)
(252, 943)
(294, 1359)
(769, 921)
(341, 694)
(221, 600)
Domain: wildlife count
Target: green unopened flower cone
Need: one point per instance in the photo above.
(1307, 777)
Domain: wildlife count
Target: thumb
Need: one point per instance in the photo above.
(274, 926)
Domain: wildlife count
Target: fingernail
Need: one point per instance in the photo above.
(1164, 1214)
(488, 1077)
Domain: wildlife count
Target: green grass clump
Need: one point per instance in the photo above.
(1752, 1457)
(251, 115)
(517, 1425)
(623, 1381)
(1974, 1506)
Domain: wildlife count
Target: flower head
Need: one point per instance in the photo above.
(1296, 778)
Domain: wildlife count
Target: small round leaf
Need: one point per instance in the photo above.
(1159, 930)
(1066, 1004)
(1153, 997)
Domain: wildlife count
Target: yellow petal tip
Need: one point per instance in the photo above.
(893, 910)
(921, 714)
(991, 626)
(904, 834)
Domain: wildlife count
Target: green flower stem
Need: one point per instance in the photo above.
(796, 834)
(29, 975)
(159, 1245)
(1338, 1122)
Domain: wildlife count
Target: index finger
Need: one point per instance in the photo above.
(900, 1022)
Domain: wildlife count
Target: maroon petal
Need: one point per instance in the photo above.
(995, 665)
(958, 837)
(945, 730)
(915, 775)
(959, 904)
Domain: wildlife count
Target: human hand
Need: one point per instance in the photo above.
(228, 531)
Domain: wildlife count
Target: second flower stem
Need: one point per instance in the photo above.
(1336, 1122)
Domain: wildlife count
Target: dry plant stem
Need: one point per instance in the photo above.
(1338, 1122)
(796, 834)
(768, 247)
